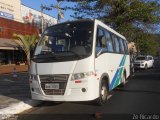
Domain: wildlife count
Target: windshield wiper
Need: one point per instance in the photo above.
(56, 55)
(43, 55)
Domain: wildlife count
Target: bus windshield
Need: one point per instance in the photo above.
(65, 42)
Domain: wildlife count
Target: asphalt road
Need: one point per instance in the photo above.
(139, 99)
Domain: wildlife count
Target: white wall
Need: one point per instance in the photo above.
(33, 16)
(11, 9)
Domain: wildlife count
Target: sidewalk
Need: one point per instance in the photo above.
(15, 94)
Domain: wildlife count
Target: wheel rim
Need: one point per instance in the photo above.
(104, 93)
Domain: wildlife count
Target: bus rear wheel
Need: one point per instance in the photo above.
(123, 80)
(104, 92)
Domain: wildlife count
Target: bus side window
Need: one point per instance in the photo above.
(101, 40)
(116, 44)
(125, 46)
(109, 43)
(121, 45)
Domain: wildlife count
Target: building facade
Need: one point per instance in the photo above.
(14, 10)
(35, 17)
(11, 9)
(19, 19)
(10, 51)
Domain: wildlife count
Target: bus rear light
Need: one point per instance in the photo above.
(30, 81)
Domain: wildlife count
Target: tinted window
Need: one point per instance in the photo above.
(141, 58)
(65, 42)
(100, 33)
(150, 58)
(101, 41)
(121, 45)
(116, 44)
(109, 41)
(125, 46)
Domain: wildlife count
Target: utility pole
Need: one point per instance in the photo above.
(42, 19)
(60, 13)
(59, 10)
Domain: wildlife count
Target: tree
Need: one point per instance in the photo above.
(132, 18)
(147, 44)
(27, 43)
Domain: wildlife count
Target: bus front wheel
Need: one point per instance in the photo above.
(104, 92)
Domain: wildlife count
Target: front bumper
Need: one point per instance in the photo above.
(84, 91)
(139, 65)
(75, 95)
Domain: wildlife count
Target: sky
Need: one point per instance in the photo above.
(35, 4)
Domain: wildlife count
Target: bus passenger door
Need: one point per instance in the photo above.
(104, 56)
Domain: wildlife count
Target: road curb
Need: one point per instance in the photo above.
(18, 108)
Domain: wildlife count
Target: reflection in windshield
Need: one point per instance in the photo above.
(140, 58)
(66, 40)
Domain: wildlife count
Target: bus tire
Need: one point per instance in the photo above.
(103, 93)
(123, 80)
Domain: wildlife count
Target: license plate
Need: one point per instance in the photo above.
(52, 86)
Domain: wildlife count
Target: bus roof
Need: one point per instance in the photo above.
(73, 21)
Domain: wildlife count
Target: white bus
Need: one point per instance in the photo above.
(79, 60)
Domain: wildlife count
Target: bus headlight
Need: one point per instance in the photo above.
(33, 77)
(76, 76)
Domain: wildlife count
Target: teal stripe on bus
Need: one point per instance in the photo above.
(117, 77)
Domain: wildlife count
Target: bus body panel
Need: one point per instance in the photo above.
(55, 68)
(112, 67)
(73, 90)
(112, 64)
(127, 66)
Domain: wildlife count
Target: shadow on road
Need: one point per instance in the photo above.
(138, 91)
(144, 81)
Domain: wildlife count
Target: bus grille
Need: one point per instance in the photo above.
(61, 79)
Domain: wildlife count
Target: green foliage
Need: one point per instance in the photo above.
(27, 43)
(132, 18)
(147, 44)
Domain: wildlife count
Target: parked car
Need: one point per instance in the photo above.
(144, 62)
